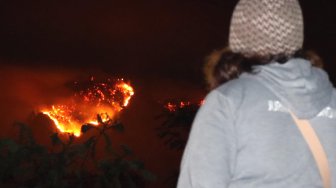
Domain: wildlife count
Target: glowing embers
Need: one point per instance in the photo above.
(174, 106)
(63, 118)
(105, 99)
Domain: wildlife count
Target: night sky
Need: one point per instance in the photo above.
(159, 45)
(149, 37)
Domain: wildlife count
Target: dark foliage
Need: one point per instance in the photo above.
(177, 117)
(177, 120)
(25, 163)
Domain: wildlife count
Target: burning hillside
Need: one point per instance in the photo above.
(106, 99)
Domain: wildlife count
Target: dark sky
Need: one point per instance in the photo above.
(148, 37)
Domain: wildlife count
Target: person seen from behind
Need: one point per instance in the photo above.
(264, 85)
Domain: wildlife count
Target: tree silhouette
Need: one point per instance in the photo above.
(25, 163)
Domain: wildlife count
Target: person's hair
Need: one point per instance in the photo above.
(224, 65)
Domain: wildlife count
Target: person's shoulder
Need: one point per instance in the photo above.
(231, 94)
(245, 83)
(333, 97)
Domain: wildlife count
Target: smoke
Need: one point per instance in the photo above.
(23, 89)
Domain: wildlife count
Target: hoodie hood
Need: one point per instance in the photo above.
(304, 89)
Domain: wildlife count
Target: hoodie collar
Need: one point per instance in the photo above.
(304, 89)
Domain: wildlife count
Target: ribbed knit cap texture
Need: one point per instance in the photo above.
(266, 27)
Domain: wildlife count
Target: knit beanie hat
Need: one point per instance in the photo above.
(266, 27)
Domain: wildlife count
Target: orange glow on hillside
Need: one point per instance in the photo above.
(174, 106)
(106, 99)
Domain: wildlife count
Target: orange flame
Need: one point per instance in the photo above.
(103, 99)
(61, 115)
(174, 106)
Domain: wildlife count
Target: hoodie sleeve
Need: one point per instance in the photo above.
(209, 158)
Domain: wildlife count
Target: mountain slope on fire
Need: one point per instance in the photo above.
(25, 89)
(107, 99)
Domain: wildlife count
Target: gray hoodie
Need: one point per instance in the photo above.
(244, 137)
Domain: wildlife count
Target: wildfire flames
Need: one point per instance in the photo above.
(173, 106)
(105, 99)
